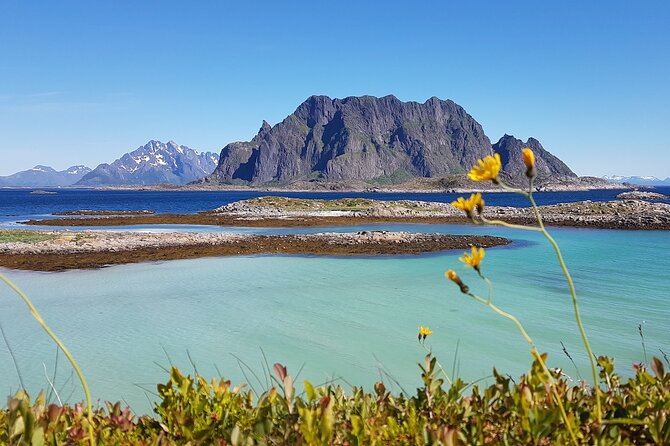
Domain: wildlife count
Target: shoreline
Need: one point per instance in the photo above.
(305, 187)
(65, 250)
(271, 211)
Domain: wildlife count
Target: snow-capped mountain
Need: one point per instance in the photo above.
(641, 180)
(154, 163)
(45, 176)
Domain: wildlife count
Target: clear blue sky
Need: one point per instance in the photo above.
(85, 81)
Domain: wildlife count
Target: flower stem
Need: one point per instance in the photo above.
(437, 363)
(509, 225)
(535, 353)
(575, 305)
(36, 315)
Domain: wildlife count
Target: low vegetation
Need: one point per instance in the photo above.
(342, 204)
(15, 236)
(192, 410)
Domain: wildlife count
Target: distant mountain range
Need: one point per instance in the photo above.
(366, 138)
(153, 163)
(45, 176)
(373, 139)
(642, 181)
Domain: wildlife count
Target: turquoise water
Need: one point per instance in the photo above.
(342, 318)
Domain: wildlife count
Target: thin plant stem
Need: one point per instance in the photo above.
(644, 348)
(573, 294)
(36, 315)
(514, 189)
(488, 283)
(536, 354)
(11, 353)
(437, 363)
(51, 385)
(509, 225)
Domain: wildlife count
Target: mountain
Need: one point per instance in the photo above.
(45, 176)
(546, 164)
(642, 181)
(358, 138)
(153, 163)
(367, 138)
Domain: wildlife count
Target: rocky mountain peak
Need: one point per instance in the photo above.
(358, 138)
(547, 165)
(42, 168)
(153, 163)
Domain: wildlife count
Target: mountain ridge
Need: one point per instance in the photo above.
(44, 176)
(639, 180)
(371, 138)
(153, 163)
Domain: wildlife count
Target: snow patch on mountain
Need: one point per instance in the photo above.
(44, 176)
(154, 163)
(640, 180)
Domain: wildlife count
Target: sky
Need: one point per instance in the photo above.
(82, 82)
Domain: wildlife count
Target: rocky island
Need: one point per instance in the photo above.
(274, 211)
(61, 250)
(367, 142)
(641, 195)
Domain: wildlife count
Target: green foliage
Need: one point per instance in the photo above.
(16, 236)
(194, 411)
(398, 176)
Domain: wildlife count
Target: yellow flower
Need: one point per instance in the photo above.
(474, 259)
(528, 157)
(487, 169)
(529, 160)
(474, 202)
(451, 275)
(424, 332)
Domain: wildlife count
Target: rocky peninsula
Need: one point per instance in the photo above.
(62, 250)
(294, 212)
(641, 195)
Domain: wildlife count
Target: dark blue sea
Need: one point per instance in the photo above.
(21, 203)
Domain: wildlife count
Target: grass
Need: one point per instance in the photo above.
(343, 204)
(18, 236)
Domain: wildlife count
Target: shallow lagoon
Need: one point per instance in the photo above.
(343, 318)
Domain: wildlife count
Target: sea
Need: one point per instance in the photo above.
(351, 321)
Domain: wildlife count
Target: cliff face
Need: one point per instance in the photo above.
(358, 138)
(368, 138)
(546, 164)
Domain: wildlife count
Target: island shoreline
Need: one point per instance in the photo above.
(96, 249)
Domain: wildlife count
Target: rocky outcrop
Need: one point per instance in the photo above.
(641, 195)
(295, 212)
(628, 214)
(358, 138)
(94, 249)
(547, 165)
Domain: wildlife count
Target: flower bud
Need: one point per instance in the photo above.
(529, 160)
(451, 275)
